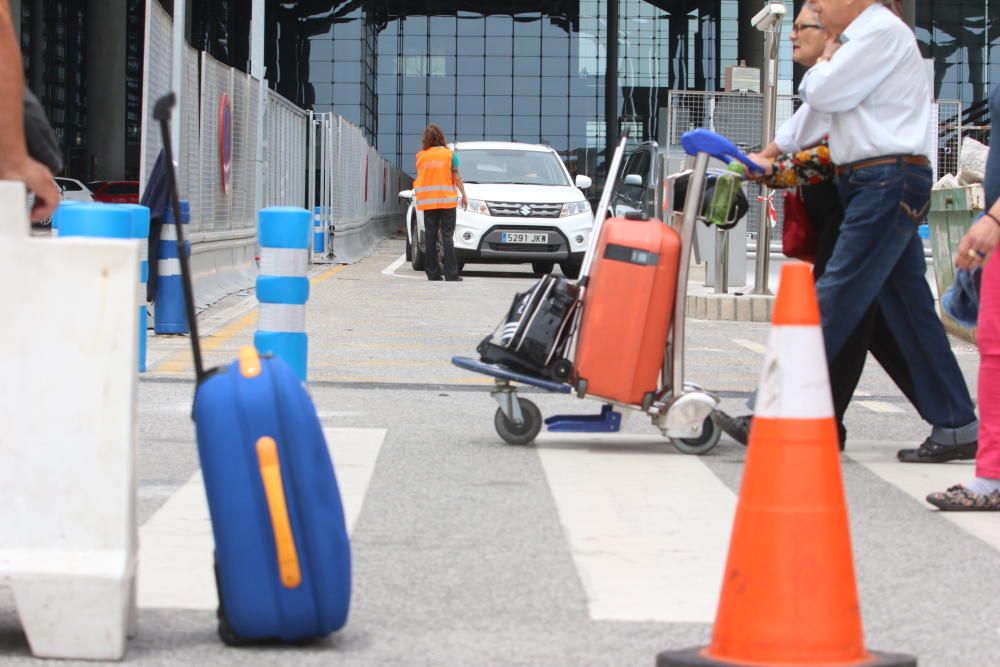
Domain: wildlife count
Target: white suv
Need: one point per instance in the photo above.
(523, 208)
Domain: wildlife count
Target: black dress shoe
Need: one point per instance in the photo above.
(455, 279)
(935, 452)
(737, 428)
(434, 279)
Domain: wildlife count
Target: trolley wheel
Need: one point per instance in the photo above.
(709, 438)
(561, 369)
(523, 434)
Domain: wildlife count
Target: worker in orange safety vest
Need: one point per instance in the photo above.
(434, 189)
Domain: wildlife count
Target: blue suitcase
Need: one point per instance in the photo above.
(283, 560)
(282, 552)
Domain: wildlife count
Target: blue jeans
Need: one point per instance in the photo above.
(879, 256)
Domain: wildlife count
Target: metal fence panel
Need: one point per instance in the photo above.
(156, 77)
(739, 117)
(189, 173)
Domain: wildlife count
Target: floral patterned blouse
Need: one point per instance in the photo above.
(806, 167)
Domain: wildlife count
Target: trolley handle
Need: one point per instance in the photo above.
(716, 145)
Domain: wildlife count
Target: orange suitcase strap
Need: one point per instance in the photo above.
(274, 490)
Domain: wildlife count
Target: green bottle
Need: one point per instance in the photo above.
(727, 185)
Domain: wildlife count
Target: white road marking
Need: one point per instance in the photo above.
(750, 345)
(917, 480)
(880, 407)
(648, 530)
(175, 557)
(861, 394)
(396, 263)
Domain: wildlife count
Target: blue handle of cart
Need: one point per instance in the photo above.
(716, 145)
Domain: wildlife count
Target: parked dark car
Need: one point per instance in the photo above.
(115, 192)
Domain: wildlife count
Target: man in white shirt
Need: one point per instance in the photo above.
(872, 83)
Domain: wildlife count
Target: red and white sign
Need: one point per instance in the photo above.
(225, 141)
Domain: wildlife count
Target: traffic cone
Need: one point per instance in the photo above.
(789, 596)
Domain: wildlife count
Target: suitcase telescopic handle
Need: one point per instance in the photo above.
(161, 112)
(281, 526)
(602, 207)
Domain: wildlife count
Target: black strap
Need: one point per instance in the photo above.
(161, 112)
(638, 256)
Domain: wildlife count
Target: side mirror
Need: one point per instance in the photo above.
(406, 194)
(584, 182)
(633, 179)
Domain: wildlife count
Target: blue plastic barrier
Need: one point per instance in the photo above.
(169, 315)
(283, 285)
(319, 235)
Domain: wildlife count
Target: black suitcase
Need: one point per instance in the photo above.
(533, 337)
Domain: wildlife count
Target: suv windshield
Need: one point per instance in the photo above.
(506, 165)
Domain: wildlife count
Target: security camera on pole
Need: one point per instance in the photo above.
(768, 21)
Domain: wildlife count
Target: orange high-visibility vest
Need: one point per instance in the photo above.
(434, 187)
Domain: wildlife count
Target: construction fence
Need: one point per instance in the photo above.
(356, 192)
(739, 116)
(271, 161)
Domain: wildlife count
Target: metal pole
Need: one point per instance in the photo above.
(177, 74)
(611, 87)
(257, 22)
(721, 261)
(770, 88)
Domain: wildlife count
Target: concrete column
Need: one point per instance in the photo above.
(751, 40)
(611, 85)
(257, 23)
(15, 17)
(36, 80)
(106, 60)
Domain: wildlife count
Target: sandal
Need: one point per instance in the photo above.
(935, 452)
(960, 499)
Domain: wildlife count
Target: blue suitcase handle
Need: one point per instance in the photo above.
(716, 145)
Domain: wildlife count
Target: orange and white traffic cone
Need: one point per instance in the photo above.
(789, 595)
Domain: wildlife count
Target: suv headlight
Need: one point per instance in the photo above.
(478, 206)
(575, 208)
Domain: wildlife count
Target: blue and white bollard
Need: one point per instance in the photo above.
(140, 231)
(283, 285)
(319, 235)
(169, 315)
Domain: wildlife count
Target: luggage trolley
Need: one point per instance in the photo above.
(681, 410)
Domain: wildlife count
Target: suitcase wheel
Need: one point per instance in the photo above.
(709, 438)
(561, 370)
(519, 434)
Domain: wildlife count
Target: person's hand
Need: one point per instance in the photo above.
(38, 179)
(978, 244)
(767, 164)
(832, 45)
(463, 201)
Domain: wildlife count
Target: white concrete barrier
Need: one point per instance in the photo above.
(356, 239)
(68, 532)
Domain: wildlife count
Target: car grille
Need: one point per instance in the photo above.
(513, 210)
(525, 247)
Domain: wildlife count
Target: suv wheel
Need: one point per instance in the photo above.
(542, 268)
(570, 269)
(417, 252)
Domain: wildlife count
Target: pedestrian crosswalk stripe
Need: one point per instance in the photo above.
(648, 528)
(751, 345)
(175, 544)
(880, 407)
(919, 479)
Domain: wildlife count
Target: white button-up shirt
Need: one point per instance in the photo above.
(804, 129)
(875, 89)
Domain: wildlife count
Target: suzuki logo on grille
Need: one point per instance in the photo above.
(525, 210)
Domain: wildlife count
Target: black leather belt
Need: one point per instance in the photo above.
(918, 160)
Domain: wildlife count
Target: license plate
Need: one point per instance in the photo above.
(523, 237)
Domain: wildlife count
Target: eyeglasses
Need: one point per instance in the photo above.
(799, 27)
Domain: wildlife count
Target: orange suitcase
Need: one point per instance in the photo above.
(627, 309)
